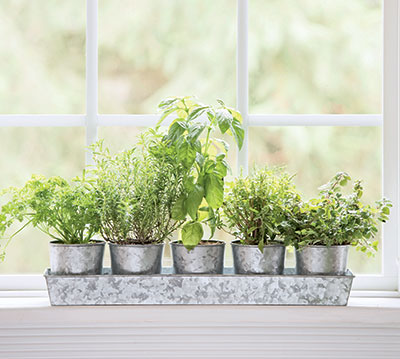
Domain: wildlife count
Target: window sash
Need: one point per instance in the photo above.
(388, 280)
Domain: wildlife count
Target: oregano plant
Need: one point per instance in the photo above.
(255, 206)
(335, 218)
(202, 155)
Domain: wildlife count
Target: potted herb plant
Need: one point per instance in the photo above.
(322, 229)
(254, 209)
(191, 136)
(135, 191)
(63, 211)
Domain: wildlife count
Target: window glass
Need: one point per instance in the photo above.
(47, 151)
(42, 62)
(315, 154)
(153, 49)
(315, 56)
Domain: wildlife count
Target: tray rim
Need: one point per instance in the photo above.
(47, 274)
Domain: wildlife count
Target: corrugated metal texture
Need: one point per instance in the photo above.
(199, 332)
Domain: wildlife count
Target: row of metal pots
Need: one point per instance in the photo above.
(207, 258)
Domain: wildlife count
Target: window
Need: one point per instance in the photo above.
(316, 82)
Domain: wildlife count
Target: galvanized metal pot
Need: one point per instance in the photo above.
(136, 258)
(248, 259)
(68, 259)
(322, 260)
(202, 259)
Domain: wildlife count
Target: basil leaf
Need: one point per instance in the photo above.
(214, 188)
(179, 210)
(192, 234)
(237, 132)
(224, 119)
(193, 201)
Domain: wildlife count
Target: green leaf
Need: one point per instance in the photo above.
(189, 183)
(179, 210)
(196, 113)
(386, 210)
(214, 188)
(224, 119)
(165, 114)
(221, 168)
(186, 154)
(212, 222)
(167, 102)
(200, 159)
(237, 132)
(236, 115)
(195, 131)
(176, 130)
(209, 166)
(193, 201)
(192, 234)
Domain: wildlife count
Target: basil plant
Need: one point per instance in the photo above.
(336, 218)
(255, 206)
(202, 156)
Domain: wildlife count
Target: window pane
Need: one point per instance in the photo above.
(42, 62)
(47, 151)
(315, 154)
(315, 56)
(156, 48)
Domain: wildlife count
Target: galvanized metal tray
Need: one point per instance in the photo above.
(220, 289)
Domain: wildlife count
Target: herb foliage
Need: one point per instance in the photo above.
(136, 191)
(203, 159)
(337, 219)
(65, 212)
(255, 206)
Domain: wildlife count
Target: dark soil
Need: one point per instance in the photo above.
(208, 243)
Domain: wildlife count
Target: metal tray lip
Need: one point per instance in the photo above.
(47, 274)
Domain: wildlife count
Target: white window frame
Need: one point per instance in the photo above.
(386, 283)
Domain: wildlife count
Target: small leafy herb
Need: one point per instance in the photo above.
(203, 159)
(65, 212)
(255, 206)
(136, 191)
(337, 219)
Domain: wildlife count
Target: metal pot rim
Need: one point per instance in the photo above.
(323, 246)
(139, 245)
(98, 242)
(236, 243)
(217, 242)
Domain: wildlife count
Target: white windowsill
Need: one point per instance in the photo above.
(368, 328)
